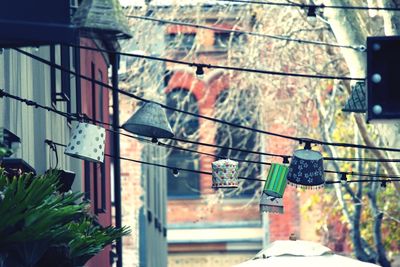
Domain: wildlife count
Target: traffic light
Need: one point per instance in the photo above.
(383, 80)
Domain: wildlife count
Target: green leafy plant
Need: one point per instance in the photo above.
(91, 238)
(39, 225)
(30, 209)
(33, 216)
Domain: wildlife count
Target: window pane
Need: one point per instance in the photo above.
(229, 136)
(181, 40)
(185, 127)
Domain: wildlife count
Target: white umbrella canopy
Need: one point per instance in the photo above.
(288, 253)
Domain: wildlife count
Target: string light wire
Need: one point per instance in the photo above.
(105, 85)
(79, 117)
(240, 177)
(321, 6)
(359, 48)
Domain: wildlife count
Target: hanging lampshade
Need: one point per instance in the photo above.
(150, 120)
(357, 99)
(271, 204)
(225, 174)
(276, 181)
(306, 169)
(104, 17)
(87, 142)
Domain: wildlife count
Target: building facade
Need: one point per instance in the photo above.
(203, 228)
(23, 76)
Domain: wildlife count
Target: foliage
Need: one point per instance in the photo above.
(89, 238)
(30, 210)
(35, 219)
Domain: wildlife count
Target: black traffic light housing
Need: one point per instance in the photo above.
(383, 80)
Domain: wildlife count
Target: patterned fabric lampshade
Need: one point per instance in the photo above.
(225, 174)
(276, 181)
(87, 142)
(271, 204)
(306, 169)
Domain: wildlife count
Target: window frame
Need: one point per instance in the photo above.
(195, 123)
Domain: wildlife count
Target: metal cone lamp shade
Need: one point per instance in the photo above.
(87, 142)
(276, 181)
(271, 204)
(104, 17)
(225, 174)
(150, 120)
(306, 169)
(357, 99)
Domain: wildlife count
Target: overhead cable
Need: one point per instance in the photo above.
(240, 177)
(105, 85)
(360, 48)
(321, 6)
(78, 117)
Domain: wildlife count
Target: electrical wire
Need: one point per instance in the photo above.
(321, 6)
(212, 66)
(105, 85)
(299, 139)
(240, 177)
(360, 48)
(82, 116)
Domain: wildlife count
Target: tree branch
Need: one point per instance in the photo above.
(388, 166)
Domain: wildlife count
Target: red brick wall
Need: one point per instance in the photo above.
(282, 225)
(98, 59)
(131, 189)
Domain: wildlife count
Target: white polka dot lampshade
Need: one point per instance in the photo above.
(225, 174)
(87, 142)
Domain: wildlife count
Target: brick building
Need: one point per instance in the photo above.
(203, 228)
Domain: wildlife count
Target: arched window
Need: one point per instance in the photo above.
(238, 108)
(187, 184)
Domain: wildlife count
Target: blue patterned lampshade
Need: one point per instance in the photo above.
(271, 204)
(306, 169)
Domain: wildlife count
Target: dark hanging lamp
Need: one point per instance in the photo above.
(150, 120)
(65, 179)
(306, 169)
(357, 101)
(104, 17)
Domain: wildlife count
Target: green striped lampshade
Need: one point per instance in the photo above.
(276, 181)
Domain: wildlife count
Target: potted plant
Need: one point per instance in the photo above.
(37, 224)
